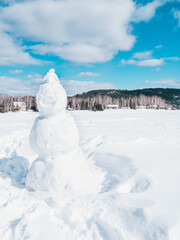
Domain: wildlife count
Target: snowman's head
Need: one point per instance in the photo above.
(51, 76)
(51, 97)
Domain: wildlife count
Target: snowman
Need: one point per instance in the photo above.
(61, 165)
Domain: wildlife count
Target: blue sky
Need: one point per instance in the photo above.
(91, 44)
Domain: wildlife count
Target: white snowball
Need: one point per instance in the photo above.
(53, 135)
(51, 97)
(72, 175)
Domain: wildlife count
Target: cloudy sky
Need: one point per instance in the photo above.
(92, 44)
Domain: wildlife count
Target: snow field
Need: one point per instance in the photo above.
(138, 152)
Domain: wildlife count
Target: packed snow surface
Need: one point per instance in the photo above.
(138, 153)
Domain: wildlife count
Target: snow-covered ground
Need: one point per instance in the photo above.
(140, 198)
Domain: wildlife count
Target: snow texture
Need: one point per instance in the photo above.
(54, 137)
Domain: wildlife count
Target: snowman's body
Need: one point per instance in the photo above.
(61, 164)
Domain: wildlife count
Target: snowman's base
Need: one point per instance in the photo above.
(67, 172)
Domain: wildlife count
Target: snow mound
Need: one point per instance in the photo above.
(61, 164)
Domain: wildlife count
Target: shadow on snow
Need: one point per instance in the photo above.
(14, 168)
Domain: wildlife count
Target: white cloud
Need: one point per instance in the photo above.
(73, 87)
(146, 12)
(170, 82)
(142, 55)
(36, 78)
(8, 1)
(12, 54)
(78, 53)
(145, 59)
(18, 87)
(17, 71)
(151, 62)
(159, 46)
(88, 74)
(15, 86)
(144, 63)
(177, 16)
(78, 31)
(172, 58)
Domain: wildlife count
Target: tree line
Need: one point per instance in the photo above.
(97, 100)
(7, 103)
(159, 98)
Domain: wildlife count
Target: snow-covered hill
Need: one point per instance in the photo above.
(139, 153)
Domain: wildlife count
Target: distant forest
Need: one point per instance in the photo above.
(7, 103)
(158, 98)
